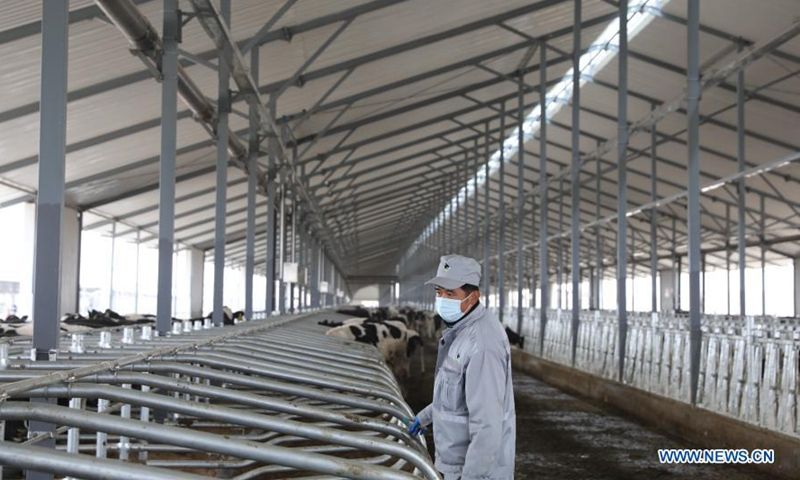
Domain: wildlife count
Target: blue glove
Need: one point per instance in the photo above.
(415, 427)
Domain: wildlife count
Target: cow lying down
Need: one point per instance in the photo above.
(74, 322)
(392, 338)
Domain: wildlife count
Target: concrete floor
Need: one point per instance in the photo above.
(561, 436)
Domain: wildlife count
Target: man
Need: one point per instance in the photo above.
(473, 397)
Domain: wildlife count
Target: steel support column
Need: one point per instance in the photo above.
(693, 213)
(653, 222)
(292, 240)
(253, 145)
(281, 255)
(485, 273)
(223, 109)
(544, 209)
(622, 188)
(501, 240)
(575, 174)
(475, 205)
(50, 199)
(520, 195)
(166, 190)
(271, 194)
(762, 255)
(741, 197)
(598, 241)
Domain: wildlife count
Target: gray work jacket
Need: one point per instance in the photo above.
(473, 400)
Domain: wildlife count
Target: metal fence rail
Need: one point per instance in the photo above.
(267, 398)
(749, 366)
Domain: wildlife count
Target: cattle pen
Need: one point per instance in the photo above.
(221, 218)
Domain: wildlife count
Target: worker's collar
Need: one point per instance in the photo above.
(475, 312)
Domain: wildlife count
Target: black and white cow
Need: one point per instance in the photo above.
(75, 322)
(392, 338)
(229, 317)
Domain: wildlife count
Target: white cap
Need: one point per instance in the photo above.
(456, 271)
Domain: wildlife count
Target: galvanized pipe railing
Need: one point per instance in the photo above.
(273, 388)
(82, 466)
(231, 416)
(201, 441)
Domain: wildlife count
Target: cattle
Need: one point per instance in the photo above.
(354, 310)
(392, 338)
(428, 324)
(75, 322)
(329, 323)
(229, 317)
(515, 338)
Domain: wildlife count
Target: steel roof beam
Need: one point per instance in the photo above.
(416, 43)
(139, 76)
(154, 207)
(89, 12)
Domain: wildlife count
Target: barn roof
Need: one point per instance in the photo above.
(388, 102)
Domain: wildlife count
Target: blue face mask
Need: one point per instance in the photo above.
(448, 308)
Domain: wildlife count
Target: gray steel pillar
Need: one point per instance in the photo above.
(475, 215)
(598, 245)
(622, 187)
(501, 240)
(50, 197)
(544, 260)
(166, 203)
(653, 223)
(763, 255)
(281, 255)
(520, 195)
(741, 197)
(693, 94)
(253, 144)
(272, 186)
(223, 108)
(292, 240)
(575, 173)
(486, 210)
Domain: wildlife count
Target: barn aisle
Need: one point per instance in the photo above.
(560, 436)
